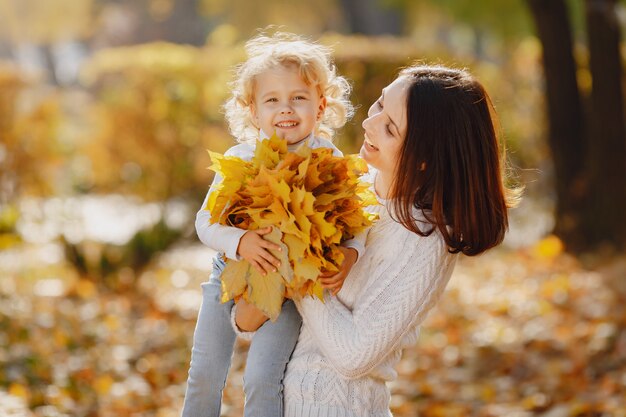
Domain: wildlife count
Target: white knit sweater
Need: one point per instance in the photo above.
(349, 345)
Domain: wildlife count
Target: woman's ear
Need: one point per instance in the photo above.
(321, 108)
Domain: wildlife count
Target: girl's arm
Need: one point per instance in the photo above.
(217, 236)
(355, 341)
(235, 243)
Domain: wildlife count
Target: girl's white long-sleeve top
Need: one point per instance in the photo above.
(225, 239)
(349, 345)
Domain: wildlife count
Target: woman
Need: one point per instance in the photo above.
(437, 173)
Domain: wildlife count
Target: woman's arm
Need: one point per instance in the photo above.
(408, 286)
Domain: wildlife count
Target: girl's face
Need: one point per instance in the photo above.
(285, 104)
(385, 127)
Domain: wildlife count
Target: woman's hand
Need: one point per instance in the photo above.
(254, 249)
(247, 317)
(333, 281)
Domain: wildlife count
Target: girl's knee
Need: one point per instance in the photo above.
(262, 379)
(204, 378)
(264, 368)
(208, 368)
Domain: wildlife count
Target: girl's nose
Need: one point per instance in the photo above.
(286, 109)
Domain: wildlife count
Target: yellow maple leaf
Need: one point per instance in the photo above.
(318, 290)
(306, 270)
(356, 163)
(266, 292)
(334, 258)
(278, 187)
(325, 229)
(302, 170)
(297, 247)
(261, 196)
(271, 152)
(312, 178)
(227, 166)
(235, 278)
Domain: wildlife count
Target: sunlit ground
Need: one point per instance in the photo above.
(522, 331)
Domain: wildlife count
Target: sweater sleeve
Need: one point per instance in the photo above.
(354, 342)
(357, 243)
(217, 236)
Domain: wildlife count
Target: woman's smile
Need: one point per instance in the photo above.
(369, 145)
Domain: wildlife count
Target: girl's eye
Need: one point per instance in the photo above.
(271, 100)
(379, 104)
(388, 129)
(299, 98)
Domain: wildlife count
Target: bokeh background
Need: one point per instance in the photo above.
(107, 108)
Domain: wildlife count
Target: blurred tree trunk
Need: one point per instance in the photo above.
(49, 62)
(5, 50)
(183, 23)
(565, 115)
(588, 148)
(605, 215)
(369, 17)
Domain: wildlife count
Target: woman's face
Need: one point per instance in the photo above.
(385, 127)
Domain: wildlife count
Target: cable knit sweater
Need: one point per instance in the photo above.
(349, 345)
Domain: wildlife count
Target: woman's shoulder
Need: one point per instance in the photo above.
(369, 176)
(388, 224)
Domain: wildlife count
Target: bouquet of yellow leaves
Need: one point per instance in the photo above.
(313, 201)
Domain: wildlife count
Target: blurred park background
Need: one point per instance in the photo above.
(107, 108)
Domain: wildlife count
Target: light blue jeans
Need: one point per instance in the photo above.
(213, 341)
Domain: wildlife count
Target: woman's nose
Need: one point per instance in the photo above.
(366, 123)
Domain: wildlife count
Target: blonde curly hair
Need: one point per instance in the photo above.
(316, 68)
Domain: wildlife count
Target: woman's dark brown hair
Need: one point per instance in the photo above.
(450, 166)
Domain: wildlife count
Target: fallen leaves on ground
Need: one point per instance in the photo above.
(518, 333)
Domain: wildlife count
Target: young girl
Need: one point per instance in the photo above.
(288, 86)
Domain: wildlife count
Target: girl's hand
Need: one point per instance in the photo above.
(253, 248)
(247, 317)
(333, 281)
